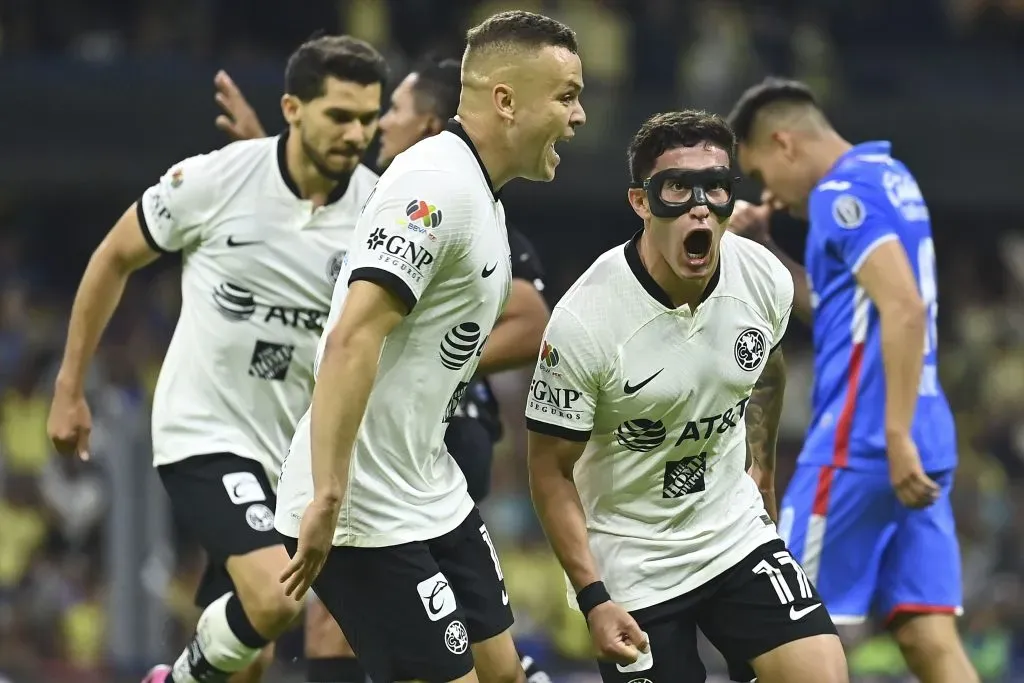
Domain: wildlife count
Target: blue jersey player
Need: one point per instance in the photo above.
(867, 512)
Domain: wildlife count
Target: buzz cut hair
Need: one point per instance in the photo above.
(518, 30)
(670, 130)
(342, 57)
(772, 95)
(437, 87)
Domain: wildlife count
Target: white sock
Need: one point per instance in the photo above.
(214, 652)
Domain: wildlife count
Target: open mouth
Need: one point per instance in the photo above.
(697, 244)
(564, 138)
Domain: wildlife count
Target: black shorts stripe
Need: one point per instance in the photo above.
(388, 281)
(146, 232)
(557, 430)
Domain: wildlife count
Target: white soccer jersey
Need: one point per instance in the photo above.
(434, 234)
(659, 394)
(259, 267)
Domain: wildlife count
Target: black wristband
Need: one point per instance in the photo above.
(591, 596)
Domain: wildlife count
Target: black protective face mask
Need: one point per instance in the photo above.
(674, 191)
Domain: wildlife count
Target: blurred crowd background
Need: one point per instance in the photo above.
(100, 96)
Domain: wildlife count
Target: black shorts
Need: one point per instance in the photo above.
(763, 602)
(226, 503)
(411, 611)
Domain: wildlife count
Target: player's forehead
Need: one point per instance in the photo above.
(701, 156)
(349, 96)
(558, 68)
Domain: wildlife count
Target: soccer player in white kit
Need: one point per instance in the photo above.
(263, 227)
(659, 374)
(369, 494)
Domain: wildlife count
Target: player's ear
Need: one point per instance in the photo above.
(290, 106)
(783, 140)
(638, 200)
(504, 101)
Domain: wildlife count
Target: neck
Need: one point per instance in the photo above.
(493, 150)
(826, 151)
(312, 184)
(680, 291)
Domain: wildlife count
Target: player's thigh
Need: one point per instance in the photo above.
(764, 602)
(226, 503)
(398, 611)
(924, 538)
(815, 659)
(672, 655)
(469, 561)
(838, 523)
(323, 637)
(497, 660)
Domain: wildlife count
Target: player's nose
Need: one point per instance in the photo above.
(578, 116)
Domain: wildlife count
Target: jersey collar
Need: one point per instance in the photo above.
(636, 265)
(282, 165)
(872, 148)
(455, 127)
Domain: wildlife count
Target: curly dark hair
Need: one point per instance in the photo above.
(673, 129)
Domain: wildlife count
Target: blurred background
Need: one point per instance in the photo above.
(98, 97)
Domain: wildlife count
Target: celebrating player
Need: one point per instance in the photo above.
(868, 505)
(409, 570)
(660, 369)
(420, 107)
(263, 227)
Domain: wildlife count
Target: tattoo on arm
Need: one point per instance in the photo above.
(764, 410)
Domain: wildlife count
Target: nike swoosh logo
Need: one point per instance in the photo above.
(487, 271)
(633, 388)
(232, 242)
(798, 614)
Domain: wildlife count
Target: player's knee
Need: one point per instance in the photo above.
(324, 638)
(255, 576)
(925, 637)
(272, 612)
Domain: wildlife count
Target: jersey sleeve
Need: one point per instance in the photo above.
(409, 230)
(526, 263)
(173, 211)
(855, 218)
(566, 382)
(784, 292)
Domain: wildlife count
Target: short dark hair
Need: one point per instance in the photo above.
(437, 87)
(770, 91)
(342, 57)
(673, 129)
(519, 28)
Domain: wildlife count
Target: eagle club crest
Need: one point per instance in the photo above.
(750, 349)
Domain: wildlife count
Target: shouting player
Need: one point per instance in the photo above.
(263, 227)
(420, 107)
(868, 505)
(369, 493)
(658, 367)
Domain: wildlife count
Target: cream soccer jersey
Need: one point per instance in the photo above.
(259, 267)
(659, 395)
(433, 234)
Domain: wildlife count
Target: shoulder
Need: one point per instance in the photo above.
(754, 272)
(852, 192)
(595, 295)
(212, 174)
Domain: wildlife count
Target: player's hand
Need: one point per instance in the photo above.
(913, 487)
(615, 634)
(239, 119)
(69, 423)
(316, 531)
(752, 220)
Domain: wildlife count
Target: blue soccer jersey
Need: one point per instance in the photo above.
(867, 199)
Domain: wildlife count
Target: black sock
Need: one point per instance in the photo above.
(334, 670)
(240, 625)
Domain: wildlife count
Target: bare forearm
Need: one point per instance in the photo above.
(512, 344)
(762, 416)
(561, 515)
(801, 292)
(342, 391)
(903, 331)
(97, 298)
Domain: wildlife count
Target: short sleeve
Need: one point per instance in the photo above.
(784, 292)
(853, 219)
(526, 263)
(409, 230)
(173, 211)
(566, 382)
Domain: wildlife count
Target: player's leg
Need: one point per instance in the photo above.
(672, 655)
(398, 611)
(329, 657)
(837, 524)
(921, 606)
(766, 619)
(227, 503)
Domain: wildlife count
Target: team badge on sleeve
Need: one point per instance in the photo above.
(848, 211)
